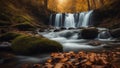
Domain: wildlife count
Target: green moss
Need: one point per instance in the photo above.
(34, 45)
(9, 36)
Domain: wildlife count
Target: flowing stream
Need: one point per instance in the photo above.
(69, 20)
(72, 41)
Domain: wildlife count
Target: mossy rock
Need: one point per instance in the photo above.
(25, 27)
(28, 45)
(8, 36)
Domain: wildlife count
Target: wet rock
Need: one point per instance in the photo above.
(51, 27)
(63, 28)
(5, 46)
(104, 35)
(80, 28)
(57, 30)
(94, 43)
(71, 28)
(115, 33)
(89, 33)
(40, 30)
(67, 34)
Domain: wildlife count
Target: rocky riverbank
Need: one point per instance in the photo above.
(92, 59)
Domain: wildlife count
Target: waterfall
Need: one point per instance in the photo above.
(81, 18)
(69, 20)
(87, 19)
(50, 20)
(76, 18)
(58, 20)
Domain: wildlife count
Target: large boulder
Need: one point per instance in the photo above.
(104, 35)
(115, 33)
(28, 45)
(89, 33)
(67, 34)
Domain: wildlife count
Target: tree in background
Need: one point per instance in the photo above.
(89, 7)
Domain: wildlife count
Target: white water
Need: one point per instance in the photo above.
(57, 20)
(87, 19)
(70, 20)
(81, 18)
(69, 40)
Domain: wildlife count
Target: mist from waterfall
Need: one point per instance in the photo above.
(69, 20)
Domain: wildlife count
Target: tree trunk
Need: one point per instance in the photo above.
(88, 5)
(46, 4)
(101, 2)
(73, 9)
(94, 4)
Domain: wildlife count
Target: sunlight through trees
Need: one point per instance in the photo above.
(75, 5)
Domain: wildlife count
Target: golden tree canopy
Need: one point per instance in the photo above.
(74, 5)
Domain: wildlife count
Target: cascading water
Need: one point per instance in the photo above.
(50, 20)
(69, 21)
(87, 19)
(71, 39)
(58, 20)
(72, 20)
(81, 18)
(76, 17)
